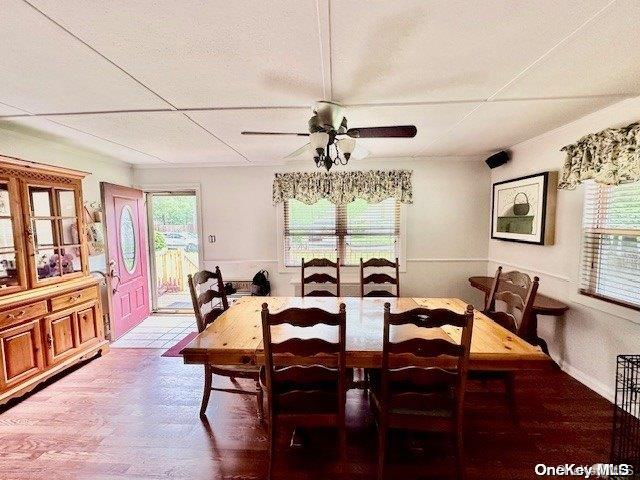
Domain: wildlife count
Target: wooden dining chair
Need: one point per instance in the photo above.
(305, 379)
(517, 292)
(509, 304)
(209, 302)
(379, 277)
(412, 394)
(320, 277)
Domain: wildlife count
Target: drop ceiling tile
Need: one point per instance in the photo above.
(602, 58)
(170, 136)
(206, 54)
(414, 50)
(227, 124)
(43, 69)
(431, 121)
(20, 133)
(496, 126)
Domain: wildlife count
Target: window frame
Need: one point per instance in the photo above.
(594, 257)
(280, 242)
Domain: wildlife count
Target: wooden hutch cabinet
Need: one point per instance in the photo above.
(50, 310)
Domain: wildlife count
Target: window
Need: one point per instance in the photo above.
(353, 231)
(611, 243)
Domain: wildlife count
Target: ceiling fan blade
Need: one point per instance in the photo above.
(360, 152)
(398, 131)
(276, 133)
(305, 148)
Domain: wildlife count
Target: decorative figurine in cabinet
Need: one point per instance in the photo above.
(50, 310)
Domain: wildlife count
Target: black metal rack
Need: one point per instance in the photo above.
(625, 444)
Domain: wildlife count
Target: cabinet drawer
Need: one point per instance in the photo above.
(73, 298)
(20, 314)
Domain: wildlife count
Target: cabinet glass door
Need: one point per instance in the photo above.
(55, 230)
(12, 275)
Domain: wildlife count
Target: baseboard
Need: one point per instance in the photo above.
(600, 388)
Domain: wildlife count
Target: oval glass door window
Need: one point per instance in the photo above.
(128, 239)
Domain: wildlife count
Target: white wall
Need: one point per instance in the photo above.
(447, 228)
(588, 338)
(21, 142)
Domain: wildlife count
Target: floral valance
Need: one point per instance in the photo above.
(343, 187)
(611, 156)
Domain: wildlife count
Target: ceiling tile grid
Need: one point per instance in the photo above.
(474, 77)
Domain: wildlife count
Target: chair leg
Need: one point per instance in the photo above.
(343, 448)
(460, 458)
(272, 445)
(510, 395)
(382, 447)
(207, 390)
(260, 398)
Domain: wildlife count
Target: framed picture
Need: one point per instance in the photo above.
(524, 209)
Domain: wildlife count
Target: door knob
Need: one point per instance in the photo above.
(113, 276)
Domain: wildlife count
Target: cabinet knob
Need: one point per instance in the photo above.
(73, 298)
(49, 340)
(13, 316)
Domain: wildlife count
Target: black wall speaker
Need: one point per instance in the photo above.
(498, 159)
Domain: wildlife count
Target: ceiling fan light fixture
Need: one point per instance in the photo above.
(319, 141)
(346, 146)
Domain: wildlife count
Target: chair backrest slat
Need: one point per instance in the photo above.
(305, 347)
(320, 277)
(379, 262)
(428, 318)
(202, 294)
(304, 317)
(208, 296)
(379, 277)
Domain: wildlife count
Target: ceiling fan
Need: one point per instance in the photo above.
(328, 131)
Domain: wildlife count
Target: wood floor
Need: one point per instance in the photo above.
(134, 414)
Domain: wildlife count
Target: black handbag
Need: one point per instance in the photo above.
(261, 285)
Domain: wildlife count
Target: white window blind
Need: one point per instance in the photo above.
(357, 230)
(611, 243)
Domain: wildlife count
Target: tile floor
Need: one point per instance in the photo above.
(158, 331)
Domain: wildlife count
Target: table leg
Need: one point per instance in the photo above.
(533, 335)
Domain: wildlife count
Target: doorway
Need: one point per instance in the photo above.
(174, 248)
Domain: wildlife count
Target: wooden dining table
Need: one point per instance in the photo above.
(235, 338)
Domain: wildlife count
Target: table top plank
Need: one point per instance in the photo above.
(236, 336)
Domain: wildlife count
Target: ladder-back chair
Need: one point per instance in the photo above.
(321, 278)
(412, 394)
(305, 379)
(209, 302)
(379, 277)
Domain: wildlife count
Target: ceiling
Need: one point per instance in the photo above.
(166, 82)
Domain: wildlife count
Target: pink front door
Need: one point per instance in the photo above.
(126, 225)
